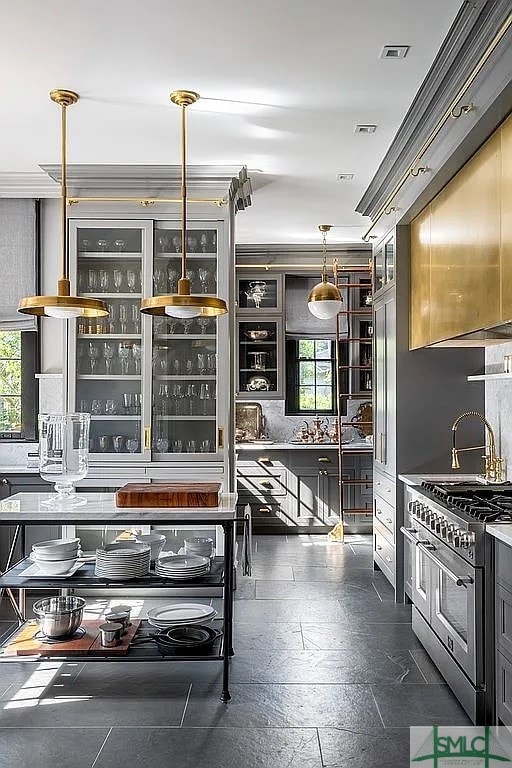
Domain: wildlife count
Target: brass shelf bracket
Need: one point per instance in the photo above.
(457, 112)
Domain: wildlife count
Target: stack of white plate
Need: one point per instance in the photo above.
(181, 613)
(182, 567)
(122, 561)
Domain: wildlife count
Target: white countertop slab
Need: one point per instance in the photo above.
(18, 469)
(101, 508)
(439, 478)
(501, 531)
(355, 445)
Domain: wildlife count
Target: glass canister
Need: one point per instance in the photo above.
(64, 453)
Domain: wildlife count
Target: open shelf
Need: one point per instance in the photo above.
(490, 377)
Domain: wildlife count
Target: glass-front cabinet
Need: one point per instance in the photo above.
(260, 366)
(150, 384)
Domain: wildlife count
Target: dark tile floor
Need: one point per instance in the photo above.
(327, 674)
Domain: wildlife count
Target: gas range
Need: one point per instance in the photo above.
(456, 513)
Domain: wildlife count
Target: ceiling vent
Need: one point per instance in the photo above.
(344, 176)
(365, 128)
(394, 52)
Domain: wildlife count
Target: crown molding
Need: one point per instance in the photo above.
(27, 184)
(472, 31)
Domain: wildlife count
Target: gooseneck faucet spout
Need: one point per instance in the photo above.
(493, 463)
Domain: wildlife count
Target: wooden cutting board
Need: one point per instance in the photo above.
(170, 495)
(25, 644)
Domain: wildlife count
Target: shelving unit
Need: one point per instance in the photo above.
(354, 346)
(490, 377)
(24, 509)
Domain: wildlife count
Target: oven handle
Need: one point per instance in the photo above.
(407, 533)
(427, 550)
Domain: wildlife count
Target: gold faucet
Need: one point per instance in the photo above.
(493, 463)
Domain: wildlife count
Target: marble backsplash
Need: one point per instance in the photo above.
(498, 403)
(282, 429)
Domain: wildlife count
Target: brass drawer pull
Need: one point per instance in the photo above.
(324, 460)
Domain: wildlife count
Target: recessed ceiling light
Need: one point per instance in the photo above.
(394, 52)
(365, 128)
(344, 176)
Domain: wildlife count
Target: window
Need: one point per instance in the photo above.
(18, 393)
(311, 376)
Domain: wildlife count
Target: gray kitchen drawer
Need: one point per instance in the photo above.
(261, 483)
(384, 551)
(503, 689)
(313, 458)
(385, 487)
(385, 514)
(504, 564)
(504, 619)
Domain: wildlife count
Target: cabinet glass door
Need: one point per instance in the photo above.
(184, 361)
(257, 293)
(259, 357)
(108, 357)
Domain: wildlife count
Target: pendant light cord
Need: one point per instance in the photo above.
(64, 195)
(324, 262)
(183, 192)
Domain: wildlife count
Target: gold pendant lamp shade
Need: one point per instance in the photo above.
(325, 300)
(63, 305)
(184, 304)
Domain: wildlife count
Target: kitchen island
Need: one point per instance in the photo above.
(24, 509)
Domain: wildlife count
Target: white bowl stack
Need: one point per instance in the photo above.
(55, 557)
(122, 561)
(182, 567)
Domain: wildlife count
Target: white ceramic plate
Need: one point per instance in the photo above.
(184, 562)
(180, 612)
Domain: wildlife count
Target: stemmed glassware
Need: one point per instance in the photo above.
(108, 354)
(118, 279)
(204, 279)
(203, 323)
(203, 242)
(123, 317)
(160, 280)
(104, 280)
(119, 244)
(131, 279)
(137, 353)
(92, 281)
(191, 276)
(172, 276)
(202, 363)
(162, 243)
(192, 399)
(132, 444)
(176, 242)
(135, 318)
(188, 322)
(162, 445)
(124, 353)
(102, 244)
(93, 353)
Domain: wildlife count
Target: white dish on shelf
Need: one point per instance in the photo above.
(35, 572)
(180, 613)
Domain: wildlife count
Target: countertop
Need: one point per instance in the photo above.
(500, 531)
(101, 508)
(451, 477)
(355, 445)
(18, 469)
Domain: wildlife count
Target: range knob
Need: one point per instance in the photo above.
(424, 511)
(433, 519)
(457, 537)
(450, 530)
(467, 539)
(442, 529)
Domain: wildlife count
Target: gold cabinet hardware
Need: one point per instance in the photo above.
(264, 460)
(324, 460)
(147, 438)
(220, 437)
(266, 484)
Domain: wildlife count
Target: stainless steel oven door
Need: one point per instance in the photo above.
(456, 589)
(417, 566)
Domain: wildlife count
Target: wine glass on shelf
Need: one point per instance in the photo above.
(124, 354)
(110, 408)
(119, 244)
(202, 363)
(162, 242)
(203, 323)
(204, 279)
(92, 280)
(191, 276)
(108, 354)
(191, 244)
(135, 318)
(211, 363)
(131, 280)
(137, 354)
(203, 242)
(192, 397)
(85, 245)
(104, 280)
(93, 353)
(172, 276)
(160, 279)
(102, 244)
(188, 322)
(123, 317)
(132, 444)
(176, 243)
(118, 279)
(162, 445)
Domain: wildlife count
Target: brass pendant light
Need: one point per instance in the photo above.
(325, 300)
(63, 305)
(184, 304)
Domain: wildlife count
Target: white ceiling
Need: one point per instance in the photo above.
(283, 83)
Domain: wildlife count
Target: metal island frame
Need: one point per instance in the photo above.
(24, 509)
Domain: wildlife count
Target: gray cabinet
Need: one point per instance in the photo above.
(385, 383)
(503, 630)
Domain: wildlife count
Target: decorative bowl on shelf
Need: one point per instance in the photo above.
(258, 384)
(258, 334)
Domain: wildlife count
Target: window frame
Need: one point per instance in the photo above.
(29, 390)
(292, 379)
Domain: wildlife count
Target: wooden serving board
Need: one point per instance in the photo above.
(25, 644)
(170, 495)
